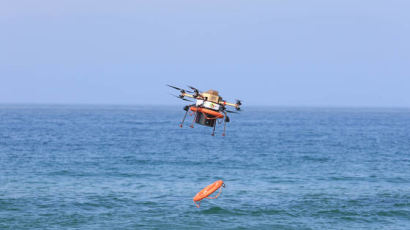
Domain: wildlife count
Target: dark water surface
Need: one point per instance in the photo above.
(132, 167)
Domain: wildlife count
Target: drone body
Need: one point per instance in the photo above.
(208, 108)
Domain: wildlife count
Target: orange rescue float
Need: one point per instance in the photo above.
(207, 112)
(208, 190)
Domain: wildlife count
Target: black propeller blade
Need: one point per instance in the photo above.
(182, 90)
(193, 88)
(238, 102)
(228, 111)
(181, 97)
(196, 91)
(174, 87)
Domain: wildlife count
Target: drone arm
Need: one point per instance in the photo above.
(192, 96)
(187, 95)
(228, 103)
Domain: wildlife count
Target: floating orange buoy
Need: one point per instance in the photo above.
(207, 111)
(208, 190)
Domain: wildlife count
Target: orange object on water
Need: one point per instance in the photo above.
(208, 190)
(207, 112)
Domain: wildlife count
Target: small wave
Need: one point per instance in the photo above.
(219, 210)
(395, 213)
(242, 212)
(215, 210)
(267, 212)
(337, 212)
(316, 159)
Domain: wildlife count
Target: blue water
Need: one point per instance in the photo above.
(132, 167)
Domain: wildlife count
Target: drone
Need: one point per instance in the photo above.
(209, 107)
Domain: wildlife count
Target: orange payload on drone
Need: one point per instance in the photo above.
(208, 108)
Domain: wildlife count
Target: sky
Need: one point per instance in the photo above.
(266, 52)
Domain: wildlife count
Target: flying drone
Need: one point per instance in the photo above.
(208, 108)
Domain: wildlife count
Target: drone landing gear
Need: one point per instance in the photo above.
(225, 121)
(203, 119)
(186, 108)
(223, 134)
(213, 131)
(192, 125)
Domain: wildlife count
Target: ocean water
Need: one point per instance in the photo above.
(132, 167)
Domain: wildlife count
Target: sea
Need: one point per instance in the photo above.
(133, 167)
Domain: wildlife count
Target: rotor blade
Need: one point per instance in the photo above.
(179, 89)
(174, 87)
(193, 88)
(182, 98)
(229, 111)
(174, 95)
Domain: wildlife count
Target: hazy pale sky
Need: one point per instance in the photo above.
(272, 52)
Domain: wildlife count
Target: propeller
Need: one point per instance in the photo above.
(228, 111)
(181, 97)
(193, 88)
(196, 91)
(174, 87)
(238, 104)
(181, 90)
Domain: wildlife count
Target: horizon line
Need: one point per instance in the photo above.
(173, 105)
